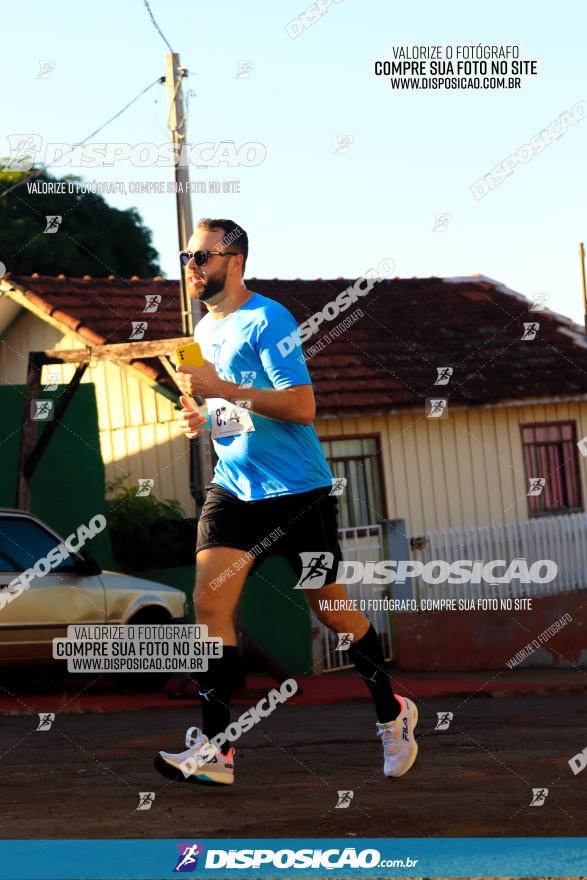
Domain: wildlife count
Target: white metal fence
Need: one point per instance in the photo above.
(364, 544)
(562, 539)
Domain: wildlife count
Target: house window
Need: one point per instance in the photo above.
(550, 454)
(357, 460)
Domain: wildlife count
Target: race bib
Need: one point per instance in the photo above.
(227, 419)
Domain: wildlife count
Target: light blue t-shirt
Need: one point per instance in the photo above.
(276, 458)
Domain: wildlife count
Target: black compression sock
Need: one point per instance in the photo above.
(215, 689)
(367, 656)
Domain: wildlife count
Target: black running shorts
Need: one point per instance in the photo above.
(302, 528)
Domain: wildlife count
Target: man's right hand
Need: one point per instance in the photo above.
(190, 420)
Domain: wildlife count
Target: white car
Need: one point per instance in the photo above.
(76, 591)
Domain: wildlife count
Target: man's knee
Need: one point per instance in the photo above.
(338, 621)
(207, 606)
(343, 621)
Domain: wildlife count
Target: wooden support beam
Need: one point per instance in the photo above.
(58, 356)
(117, 351)
(28, 433)
(169, 368)
(63, 402)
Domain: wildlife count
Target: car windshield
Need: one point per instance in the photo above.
(24, 541)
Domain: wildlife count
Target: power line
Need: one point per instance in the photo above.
(156, 26)
(5, 192)
(160, 79)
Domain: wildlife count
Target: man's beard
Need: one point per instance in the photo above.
(212, 286)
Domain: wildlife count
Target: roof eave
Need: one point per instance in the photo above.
(21, 296)
(370, 411)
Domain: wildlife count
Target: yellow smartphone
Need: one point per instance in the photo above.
(189, 355)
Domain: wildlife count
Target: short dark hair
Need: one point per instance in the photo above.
(236, 237)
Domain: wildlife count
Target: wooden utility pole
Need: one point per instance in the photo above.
(582, 255)
(200, 453)
(174, 73)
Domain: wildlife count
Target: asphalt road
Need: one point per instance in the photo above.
(82, 778)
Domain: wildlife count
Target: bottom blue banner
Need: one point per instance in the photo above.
(287, 858)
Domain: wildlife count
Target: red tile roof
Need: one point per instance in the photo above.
(388, 359)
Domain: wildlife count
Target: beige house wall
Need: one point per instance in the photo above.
(466, 470)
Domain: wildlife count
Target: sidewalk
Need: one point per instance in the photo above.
(314, 690)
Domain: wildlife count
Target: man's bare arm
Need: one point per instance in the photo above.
(295, 404)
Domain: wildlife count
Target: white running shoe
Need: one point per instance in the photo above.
(399, 746)
(202, 762)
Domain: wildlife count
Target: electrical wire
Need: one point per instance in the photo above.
(180, 124)
(156, 26)
(5, 192)
(112, 118)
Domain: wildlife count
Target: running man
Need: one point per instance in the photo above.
(271, 477)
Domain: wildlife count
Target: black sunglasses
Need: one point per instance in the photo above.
(201, 257)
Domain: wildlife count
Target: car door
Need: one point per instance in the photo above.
(30, 621)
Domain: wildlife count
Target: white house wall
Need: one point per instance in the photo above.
(138, 428)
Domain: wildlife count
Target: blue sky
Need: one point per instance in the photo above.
(308, 211)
